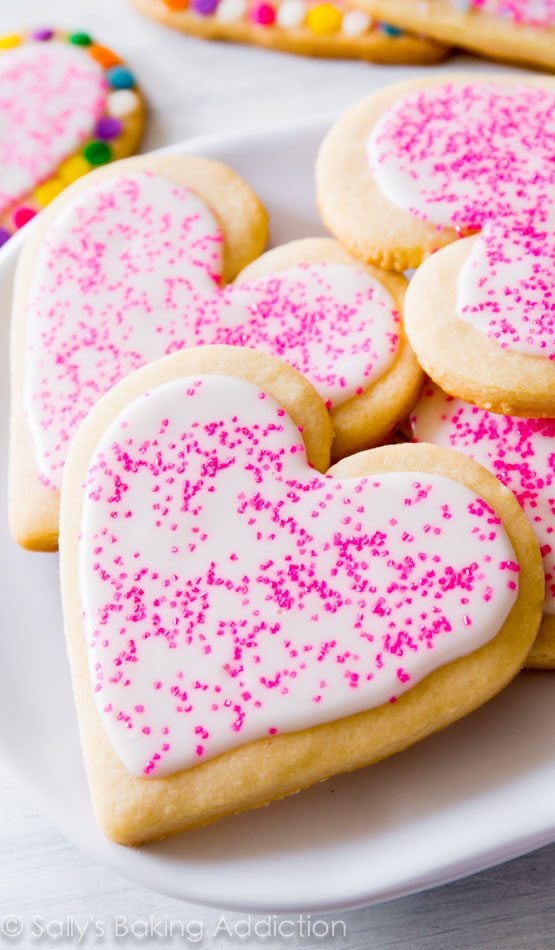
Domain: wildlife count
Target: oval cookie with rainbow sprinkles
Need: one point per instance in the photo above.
(434, 160)
(328, 28)
(521, 453)
(241, 625)
(67, 106)
(86, 321)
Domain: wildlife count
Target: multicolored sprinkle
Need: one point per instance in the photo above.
(317, 18)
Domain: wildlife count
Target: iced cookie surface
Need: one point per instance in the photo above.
(227, 604)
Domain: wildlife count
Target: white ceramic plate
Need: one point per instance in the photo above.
(481, 792)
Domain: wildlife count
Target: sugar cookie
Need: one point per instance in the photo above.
(309, 301)
(463, 359)
(240, 626)
(385, 187)
(517, 30)
(67, 105)
(335, 29)
(100, 289)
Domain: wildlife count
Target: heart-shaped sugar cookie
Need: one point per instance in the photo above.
(131, 270)
(223, 599)
(67, 105)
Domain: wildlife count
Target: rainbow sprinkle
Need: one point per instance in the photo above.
(104, 125)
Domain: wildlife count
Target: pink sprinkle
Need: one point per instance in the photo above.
(263, 14)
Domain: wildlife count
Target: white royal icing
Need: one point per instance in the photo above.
(462, 154)
(506, 289)
(113, 276)
(520, 452)
(231, 592)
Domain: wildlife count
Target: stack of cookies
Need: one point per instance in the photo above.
(242, 619)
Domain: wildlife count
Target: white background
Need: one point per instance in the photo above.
(194, 88)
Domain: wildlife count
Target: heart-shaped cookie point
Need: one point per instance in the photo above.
(520, 453)
(61, 114)
(222, 596)
(131, 270)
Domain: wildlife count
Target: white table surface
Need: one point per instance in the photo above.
(194, 88)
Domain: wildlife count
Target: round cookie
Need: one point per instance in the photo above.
(431, 161)
(520, 453)
(327, 28)
(366, 418)
(100, 289)
(204, 563)
(394, 233)
(515, 30)
(67, 106)
(461, 358)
